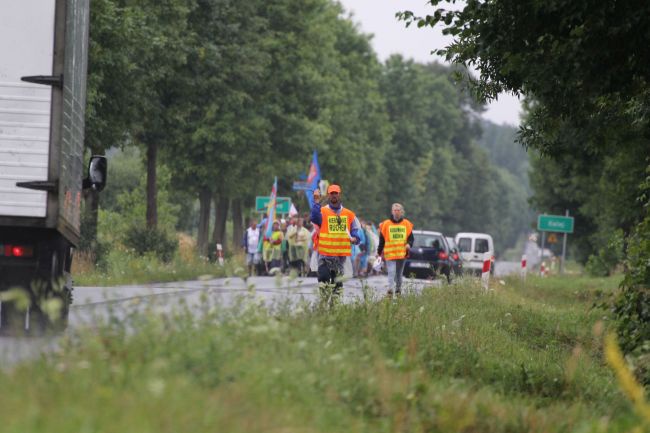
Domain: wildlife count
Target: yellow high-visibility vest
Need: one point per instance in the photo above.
(395, 238)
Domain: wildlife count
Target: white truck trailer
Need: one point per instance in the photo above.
(43, 62)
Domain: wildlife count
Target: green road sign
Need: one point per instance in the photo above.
(282, 204)
(555, 223)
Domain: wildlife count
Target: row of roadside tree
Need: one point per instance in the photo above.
(219, 96)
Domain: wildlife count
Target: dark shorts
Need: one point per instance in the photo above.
(330, 270)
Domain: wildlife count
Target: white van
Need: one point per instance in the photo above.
(472, 246)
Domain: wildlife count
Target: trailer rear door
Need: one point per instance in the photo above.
(26, 48)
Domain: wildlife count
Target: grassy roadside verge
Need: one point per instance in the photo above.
(121, 267)
(451, 359)
(126, 268)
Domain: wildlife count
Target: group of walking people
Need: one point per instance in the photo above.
(286, 249)
(331, 238)
(339, 230)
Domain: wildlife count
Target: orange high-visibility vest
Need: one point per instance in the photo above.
(334, 237)
(395, 238)
(314, 238)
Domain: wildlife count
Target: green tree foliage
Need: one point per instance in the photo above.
(280, 86)
(434, 162)
(112, 72)
(357, 126)
(111, 95)
(125, 169)
(122, 218)
(423, 107)
(602, 193)
(504, 152)
(584, 62)
(223, 127)
(633, 304)
(160, 60)
(134, 50)
(585, 69)
(512, 165)
(129, 208)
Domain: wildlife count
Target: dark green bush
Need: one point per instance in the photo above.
(632, 305)
(144, 240)
(608, 258)
(596, 266)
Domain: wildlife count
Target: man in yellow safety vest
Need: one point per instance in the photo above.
(338, 230)
(395, 241)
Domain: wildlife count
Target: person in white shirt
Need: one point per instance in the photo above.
(250, 245)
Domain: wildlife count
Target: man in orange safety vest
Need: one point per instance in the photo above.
(338, 231)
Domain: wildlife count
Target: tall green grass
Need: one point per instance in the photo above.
(121, 265)
(451, 359)
(124, 267)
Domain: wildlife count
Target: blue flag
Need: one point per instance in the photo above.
(313, 178)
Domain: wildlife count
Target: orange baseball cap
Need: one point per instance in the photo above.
(334, 188)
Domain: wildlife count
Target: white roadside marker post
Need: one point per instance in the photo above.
(220, 254)
(485, 277)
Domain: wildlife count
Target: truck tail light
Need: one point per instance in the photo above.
(442, 255)
(21, 251)
(455, 256)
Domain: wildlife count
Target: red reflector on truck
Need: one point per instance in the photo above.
(23, 251)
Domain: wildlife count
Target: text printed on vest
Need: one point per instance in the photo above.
(334, 226)
(397, 233)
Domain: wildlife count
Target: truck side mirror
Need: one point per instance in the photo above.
(97, 170)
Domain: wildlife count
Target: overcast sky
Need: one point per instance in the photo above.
(377, 17)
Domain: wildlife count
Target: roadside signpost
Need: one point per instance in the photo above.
(282, 204)
(556, 224)
(302, 186)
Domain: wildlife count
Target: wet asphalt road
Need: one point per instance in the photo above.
(91, 303)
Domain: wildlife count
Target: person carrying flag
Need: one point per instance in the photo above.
(338, 230)
(395, 241)
(272, 236)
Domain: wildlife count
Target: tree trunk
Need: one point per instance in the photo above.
(205, 202)
(237, 224)
(220, 216)
(152, 189)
